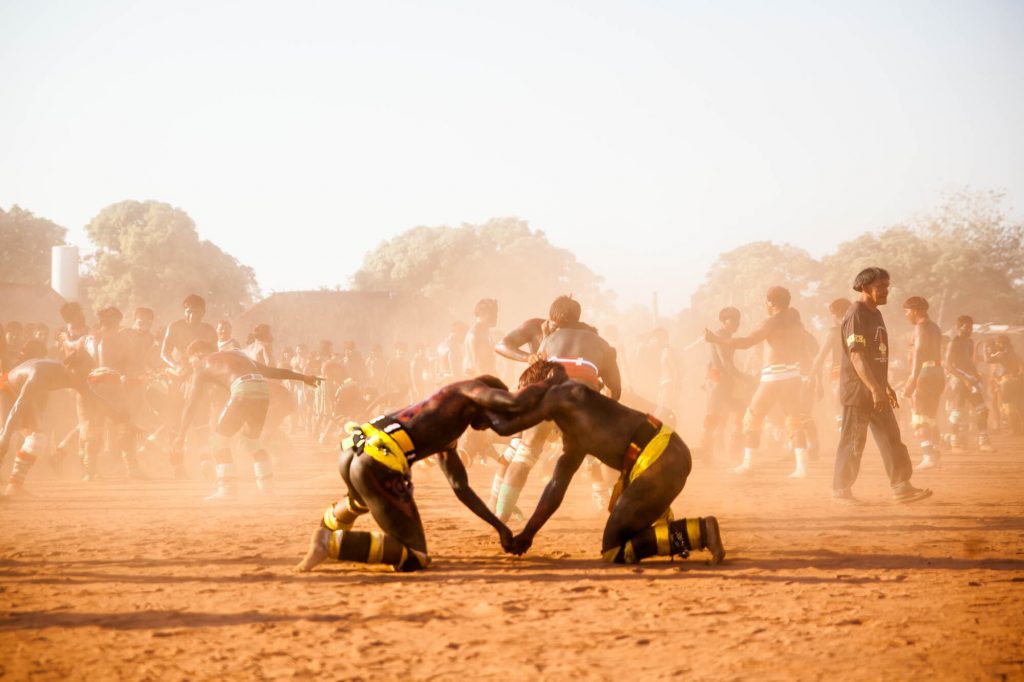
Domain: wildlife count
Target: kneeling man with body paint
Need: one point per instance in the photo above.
(653, 460)
(375, 464)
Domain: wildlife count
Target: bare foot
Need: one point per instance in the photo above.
(317, 550)
(713, 541)
(15, 491)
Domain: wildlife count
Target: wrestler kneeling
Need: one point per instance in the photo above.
(653, 461)
(375, 464)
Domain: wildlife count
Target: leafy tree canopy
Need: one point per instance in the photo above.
(25, 246)
(741, 277)
(149, 254)
(966, 257)
(503, 259)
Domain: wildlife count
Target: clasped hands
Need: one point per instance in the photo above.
(517, 545)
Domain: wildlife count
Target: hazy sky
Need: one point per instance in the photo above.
(645, 137)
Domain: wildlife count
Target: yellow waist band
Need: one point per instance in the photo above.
(389, 449)
(651, 452)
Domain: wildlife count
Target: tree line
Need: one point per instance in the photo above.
(965, 256)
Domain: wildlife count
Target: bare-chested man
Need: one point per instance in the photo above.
(1008, 374)
(375, 465)
(780, 382)
(653, 461)
(113, 355)
(966, 386)
(588, 359)
(24, 392)
(179, 336)
(479, 356)
(245, 411)
(832, 351)
(182, 333)
(927, 380)
(261, 345)
(728, 388)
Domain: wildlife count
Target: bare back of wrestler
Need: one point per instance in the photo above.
(23, 393)
(587, 358)
(653, 461)
(375, 464)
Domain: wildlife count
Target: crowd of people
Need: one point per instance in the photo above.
(192, 391)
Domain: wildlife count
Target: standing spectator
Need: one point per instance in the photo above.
(868, 399)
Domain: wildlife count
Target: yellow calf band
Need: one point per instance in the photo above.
(376, 553)
(609, 555)
(693, 533)
(629, 555)
(354, 507)
(661, 536)
(334, 544)
(330, 520)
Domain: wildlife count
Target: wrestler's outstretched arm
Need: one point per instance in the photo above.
(498, 401)
(550, 499)
(286, 375)
(742, 342)
(508, 425)
(455, 471)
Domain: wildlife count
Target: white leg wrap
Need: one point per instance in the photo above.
(510, 452)
(264, 476)
(35, 444)
(801, 464)
(525, 455)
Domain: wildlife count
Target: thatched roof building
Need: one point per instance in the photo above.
(29, 303)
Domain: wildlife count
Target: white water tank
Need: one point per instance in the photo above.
(64, 272)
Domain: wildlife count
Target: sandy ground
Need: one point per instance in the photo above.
(143, 581)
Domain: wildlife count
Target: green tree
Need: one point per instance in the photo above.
(740, 278)
(503, 258)
(966, 257)
(149, 253)
(909, 256)
(25, 245)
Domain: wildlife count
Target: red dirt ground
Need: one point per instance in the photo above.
(143, 581)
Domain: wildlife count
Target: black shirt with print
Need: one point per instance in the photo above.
(863, 331)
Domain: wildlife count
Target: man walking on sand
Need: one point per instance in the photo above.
(867, 397)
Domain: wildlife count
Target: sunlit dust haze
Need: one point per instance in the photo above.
(645, 137)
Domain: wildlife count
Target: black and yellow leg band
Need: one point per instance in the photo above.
(624, 554)
(694, 534)
(330, 521)
(661, 536)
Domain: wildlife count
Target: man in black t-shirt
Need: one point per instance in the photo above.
(866, 396)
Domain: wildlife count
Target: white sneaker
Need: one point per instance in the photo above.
(926, 463)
